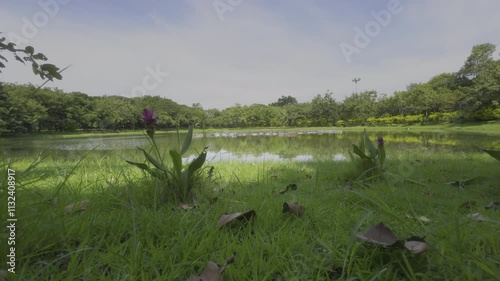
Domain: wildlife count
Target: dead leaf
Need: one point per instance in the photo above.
(294, 209)
(183, 206)
(493, 205)
(476, 217)
(77, 207)
(423, 219)
(468, 204)
(291, 186)
(378, 234)
(462, 183)
(415, 245)
(228, 218)
(212, 272)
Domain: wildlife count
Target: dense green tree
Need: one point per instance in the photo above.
(481, 55)
(283, 101)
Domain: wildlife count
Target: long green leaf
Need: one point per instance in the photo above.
(187, 140)
(198, 162)
(370, 146)
(137, 164)
(359, 152)
(153, 161)
(493, 153)
(382, 156)
(177, 161)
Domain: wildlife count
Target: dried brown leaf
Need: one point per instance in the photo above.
(228, 218)
(476, 217)
(415, 245)
(183, 206)
(80, 206)
(212, 272)
(294, 209)
(378, 234)
(493, 205)
(468, 204)
(291, 186)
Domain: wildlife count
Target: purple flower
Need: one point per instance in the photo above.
(380, 142)
(150, 119)
(149, 116)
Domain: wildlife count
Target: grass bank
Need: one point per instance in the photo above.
(126, 235)
(489, 128)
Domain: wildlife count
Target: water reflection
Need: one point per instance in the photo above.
(252, 147)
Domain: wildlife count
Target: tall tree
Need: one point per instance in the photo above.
(283, 101)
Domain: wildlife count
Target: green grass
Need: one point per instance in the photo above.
(125, 234)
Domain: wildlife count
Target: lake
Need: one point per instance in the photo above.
(254, 147)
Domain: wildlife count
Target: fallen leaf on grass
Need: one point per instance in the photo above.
(468, 204)
(423, 219)
(378, 234)
(228, 218)
(463, 183)
(212, 272)
(415, 245)
(294, 209)
(291, 186)
(80, 206)
(493, 205)
(183, 206)
(476, 217)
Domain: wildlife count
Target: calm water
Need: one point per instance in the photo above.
(255, 147)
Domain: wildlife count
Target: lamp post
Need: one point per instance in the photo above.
(356, 80)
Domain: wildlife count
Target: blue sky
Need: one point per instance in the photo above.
(248, 51)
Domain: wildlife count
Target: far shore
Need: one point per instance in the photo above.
(488, 128)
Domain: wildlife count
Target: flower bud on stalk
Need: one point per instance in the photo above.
(150, 118)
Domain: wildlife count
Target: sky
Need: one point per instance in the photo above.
(224, 52)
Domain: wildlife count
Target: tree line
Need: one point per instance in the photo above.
(470, 94)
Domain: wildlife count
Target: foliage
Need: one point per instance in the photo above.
(179, 178)
(470, 94)
(44, 70)
(283, 101)
(369, 158)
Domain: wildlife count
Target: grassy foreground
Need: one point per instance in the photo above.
(125, 235)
